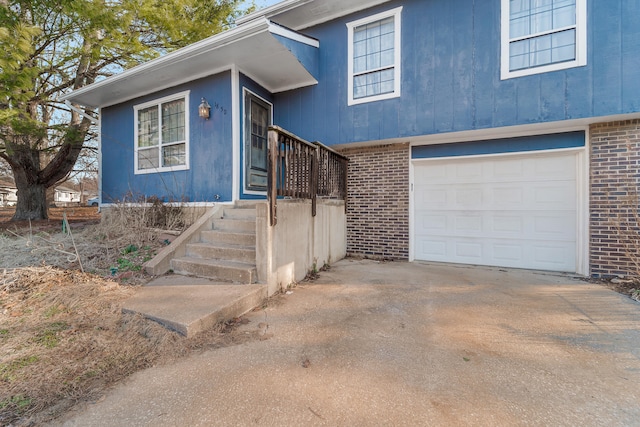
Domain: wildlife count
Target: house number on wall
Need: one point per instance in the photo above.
(220, 108)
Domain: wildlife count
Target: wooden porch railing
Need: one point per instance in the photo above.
(299, 169)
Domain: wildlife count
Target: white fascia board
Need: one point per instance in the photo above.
(293, 35)
(203, 46)
(278, 11)
(493, 132)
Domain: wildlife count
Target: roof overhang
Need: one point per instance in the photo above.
(251, 47)
(300, 14)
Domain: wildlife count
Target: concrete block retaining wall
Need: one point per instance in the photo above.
(286, 252)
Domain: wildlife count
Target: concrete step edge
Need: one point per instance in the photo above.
(242, 300)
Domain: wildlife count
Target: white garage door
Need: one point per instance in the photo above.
(512, 211)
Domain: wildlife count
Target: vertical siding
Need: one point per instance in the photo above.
(451, 76)
(607, 72)
(630, 54)
(210, 147)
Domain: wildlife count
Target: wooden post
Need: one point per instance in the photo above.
(272, 175)
(345, 176)
(313, 180)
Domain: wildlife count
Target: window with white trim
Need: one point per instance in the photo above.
(374, 57)
(542, 35)
(161, 136)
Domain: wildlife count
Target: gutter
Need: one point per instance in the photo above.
(276, 9)
(203, 46)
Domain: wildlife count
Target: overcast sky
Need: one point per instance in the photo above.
(261, 4)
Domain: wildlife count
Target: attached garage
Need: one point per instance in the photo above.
(510, 209)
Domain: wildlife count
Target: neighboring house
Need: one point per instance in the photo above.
(8, 192)
(64, 195)
(490, 132)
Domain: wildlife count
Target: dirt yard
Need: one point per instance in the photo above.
(63, 337)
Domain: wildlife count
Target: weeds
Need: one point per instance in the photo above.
(64, 339)
(8, 370)
(49, 336)
(19, 402)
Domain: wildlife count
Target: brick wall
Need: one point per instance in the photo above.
(378, 201)
(615, 175)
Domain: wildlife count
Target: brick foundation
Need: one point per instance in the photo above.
(614, 211)
(378, 201)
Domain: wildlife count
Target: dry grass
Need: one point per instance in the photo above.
(63, 337)
(116, 247)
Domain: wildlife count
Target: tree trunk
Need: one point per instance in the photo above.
(32, 201)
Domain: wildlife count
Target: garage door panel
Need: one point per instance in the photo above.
(431, 222)
(554, 227)
(469, 196)
(496, 224)
(506, 254)
(507, 197)
(504, 211)
(562, 194)
(556, 168)
(467, 171)
(541, 255)
(550, 255)
(437, 173)
(515, 196)
(471, 252)
(432, 249)
(468, 224)
(506, 225)
(507, 170)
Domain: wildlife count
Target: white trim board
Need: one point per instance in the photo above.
(581, 45)
(235, 132)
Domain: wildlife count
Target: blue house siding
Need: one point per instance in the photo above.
(210, 145)
(451, 76)
(307, 55)
(503, 145)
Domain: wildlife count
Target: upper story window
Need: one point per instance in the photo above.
(542, 35)
(374, 57)
(161, 138)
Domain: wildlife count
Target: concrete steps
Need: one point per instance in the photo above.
(215, 236)
(216, 269)
(204, 288)
(227, 253)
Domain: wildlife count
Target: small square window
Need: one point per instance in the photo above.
(374, 57)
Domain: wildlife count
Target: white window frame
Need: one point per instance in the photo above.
(581, 44)
(157, 102)
(396, 14)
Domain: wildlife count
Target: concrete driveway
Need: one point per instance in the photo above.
(407, 344)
